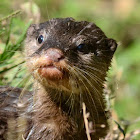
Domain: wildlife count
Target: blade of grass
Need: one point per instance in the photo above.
(2, 31)
(5, 70)
(9, 32)
(10, 49)
(11, 15)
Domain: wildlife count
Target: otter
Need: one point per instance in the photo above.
(69, 61)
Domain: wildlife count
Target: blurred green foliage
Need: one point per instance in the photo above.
(119, 19)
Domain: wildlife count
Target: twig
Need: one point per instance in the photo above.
(23, 137)
(86, 115)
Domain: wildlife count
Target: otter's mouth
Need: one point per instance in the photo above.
(54, 77)
(51, 72)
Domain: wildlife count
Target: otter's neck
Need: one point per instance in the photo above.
(45, 108)
(50, 101)
(54, 107)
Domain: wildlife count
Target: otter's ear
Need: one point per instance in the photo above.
(31, 29)
(112, 45)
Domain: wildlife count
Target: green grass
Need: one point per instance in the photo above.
(124, 81)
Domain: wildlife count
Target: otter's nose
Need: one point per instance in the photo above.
(54, 54)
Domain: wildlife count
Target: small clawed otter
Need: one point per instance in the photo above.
(69, 61)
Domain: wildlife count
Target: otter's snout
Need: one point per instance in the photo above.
(54, 55)
(51, 64)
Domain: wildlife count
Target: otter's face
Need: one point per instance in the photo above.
(63, 53)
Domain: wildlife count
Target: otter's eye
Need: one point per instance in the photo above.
(83, 48)
(80, 47)
(40, 39)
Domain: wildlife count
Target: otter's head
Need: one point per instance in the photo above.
(63, 54)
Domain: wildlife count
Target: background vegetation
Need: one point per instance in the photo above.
(119, 19)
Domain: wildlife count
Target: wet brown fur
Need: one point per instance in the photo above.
(53, 111)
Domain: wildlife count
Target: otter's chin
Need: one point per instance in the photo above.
(52, 77)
